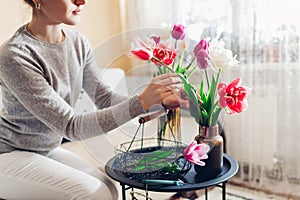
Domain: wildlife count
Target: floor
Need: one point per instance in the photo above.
(215, 193)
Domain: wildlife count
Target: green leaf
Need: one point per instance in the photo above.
(178, 70)
(211, 95)
(205, 117)
(138, 168)
(213, 89)
(193, 99)
(202, 92)
(171, 168)
(155, 155)
(152, 166)
(215, 116)
(154, 160)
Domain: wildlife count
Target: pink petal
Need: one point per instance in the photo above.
(191, 158)
(222, 102)
(189, 149)
(178, 32)
(222, 89)
(202, 59)
(156, 39)
(205, 156)
(199, 162)
(202, 149)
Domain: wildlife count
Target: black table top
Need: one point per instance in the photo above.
(191, 179)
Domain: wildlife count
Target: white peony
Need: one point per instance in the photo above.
(220, 57)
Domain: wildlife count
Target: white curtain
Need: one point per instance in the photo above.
(265, 36)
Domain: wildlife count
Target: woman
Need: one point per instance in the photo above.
(43, 68)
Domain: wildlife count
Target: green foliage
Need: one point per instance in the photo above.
(203, 106)
(154, 160)
(192, 95)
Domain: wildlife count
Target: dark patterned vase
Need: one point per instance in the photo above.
(214, 162)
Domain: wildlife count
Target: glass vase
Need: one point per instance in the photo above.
(168, 126)
(214, 163)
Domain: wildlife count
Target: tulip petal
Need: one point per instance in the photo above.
(233, 96)
(142, 53)
(189, 149)
(196, 152)
(178, 32)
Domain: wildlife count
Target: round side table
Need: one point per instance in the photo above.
(192, 181)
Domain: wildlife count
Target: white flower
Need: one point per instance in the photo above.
(220, 57)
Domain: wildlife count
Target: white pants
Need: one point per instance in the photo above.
(61, 175)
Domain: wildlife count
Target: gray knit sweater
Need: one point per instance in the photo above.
(40, 85)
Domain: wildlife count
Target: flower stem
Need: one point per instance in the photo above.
(217, 80)
(191, 72)
(190, 64)
(207, 80)
(156, 59)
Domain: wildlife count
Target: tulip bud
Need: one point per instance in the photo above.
(142, 53)
(202, 54)
(156, 39)
(178, 32)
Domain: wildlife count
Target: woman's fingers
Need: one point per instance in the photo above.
(173, 99)
(172, 87)
(166, 79)
(164, 89)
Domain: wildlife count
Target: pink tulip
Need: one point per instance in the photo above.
(203, 44)
(142, 53)
(178, 32)
(194, 153)
(156, 39)
(202, 54)
(233, 96)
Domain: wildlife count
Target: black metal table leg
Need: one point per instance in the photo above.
(224, 190)
(132, 194)
(123, 192)
(223, 186)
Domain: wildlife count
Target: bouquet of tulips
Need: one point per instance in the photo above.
(213, 96)
(168, 56)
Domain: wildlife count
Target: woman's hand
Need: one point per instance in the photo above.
(165, 90)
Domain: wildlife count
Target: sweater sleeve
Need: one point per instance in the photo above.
(114, 109)
(23, 77)
(99, 92)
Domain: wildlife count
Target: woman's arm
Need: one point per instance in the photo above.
(25, 79)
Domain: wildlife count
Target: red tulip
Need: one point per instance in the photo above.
(233, 96)
(178, 32)
(142, 53)
(164, 54)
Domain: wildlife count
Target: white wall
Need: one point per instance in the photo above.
(100, 19)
